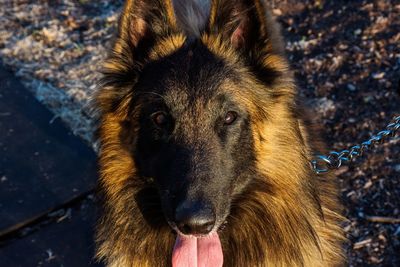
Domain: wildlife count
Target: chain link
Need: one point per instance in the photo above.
(334, 160)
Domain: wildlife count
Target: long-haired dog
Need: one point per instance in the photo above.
(204, 147)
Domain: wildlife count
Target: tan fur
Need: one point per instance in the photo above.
(167, 46)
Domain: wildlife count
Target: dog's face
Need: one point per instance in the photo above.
(194, 138)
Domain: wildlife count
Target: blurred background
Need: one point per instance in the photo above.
(346, 58)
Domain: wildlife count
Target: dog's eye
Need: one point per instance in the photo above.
(159, 118)
(230, 117)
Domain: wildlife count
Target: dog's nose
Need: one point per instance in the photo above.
(194, 218)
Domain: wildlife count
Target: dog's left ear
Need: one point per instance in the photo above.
(247, 24)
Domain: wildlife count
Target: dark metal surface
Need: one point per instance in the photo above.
(43, 167)
(68, 243)
(42, 164)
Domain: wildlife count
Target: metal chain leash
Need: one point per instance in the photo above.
(334, 160)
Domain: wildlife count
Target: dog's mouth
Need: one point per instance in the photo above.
(196, 251)
(197, 225)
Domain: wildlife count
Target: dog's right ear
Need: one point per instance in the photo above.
(141, 22)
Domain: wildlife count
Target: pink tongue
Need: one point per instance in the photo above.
(197, 252)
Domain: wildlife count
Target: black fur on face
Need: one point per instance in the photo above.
(193, 141)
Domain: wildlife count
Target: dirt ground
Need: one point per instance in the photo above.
(346, 57)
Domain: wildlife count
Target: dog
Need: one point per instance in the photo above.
(205, 145)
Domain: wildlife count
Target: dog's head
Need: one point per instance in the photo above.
(194, 138)
(190, 87)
